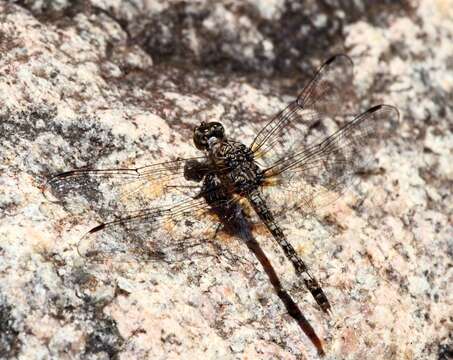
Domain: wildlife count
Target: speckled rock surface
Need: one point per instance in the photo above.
(122, 83)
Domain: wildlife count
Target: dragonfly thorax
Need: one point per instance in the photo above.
(236, 166)
(229, 153)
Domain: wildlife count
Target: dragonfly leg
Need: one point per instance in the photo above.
(194, 170)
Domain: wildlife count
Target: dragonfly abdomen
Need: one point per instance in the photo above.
(259, 205)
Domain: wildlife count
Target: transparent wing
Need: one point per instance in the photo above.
(319, 173)
(323, 97)
(113, 190)
(150, 212)
(169, 233)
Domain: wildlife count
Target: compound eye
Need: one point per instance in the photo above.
(200, 138)
(219, 130)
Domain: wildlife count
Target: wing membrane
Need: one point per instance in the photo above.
(163, 233)
(120, 190)
(150, 212)
(319, 173)
(323, 97)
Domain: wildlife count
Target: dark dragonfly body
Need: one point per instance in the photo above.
(230, 169)
(312, 150)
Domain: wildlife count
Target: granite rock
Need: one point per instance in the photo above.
(122, 83)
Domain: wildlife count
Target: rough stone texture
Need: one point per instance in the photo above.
(106, 82)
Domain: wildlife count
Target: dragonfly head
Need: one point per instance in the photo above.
(206, 132)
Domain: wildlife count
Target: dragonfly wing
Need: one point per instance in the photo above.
(169, 233)
(319, 173)
(325, 96)
(114, 191)
(150, 212)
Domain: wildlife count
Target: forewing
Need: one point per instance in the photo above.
(319, 173)
(145, 213)
(327, 95)
(114, 191)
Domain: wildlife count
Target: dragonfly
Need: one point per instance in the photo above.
(302, 160)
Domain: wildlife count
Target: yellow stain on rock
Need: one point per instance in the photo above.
(39, 241)
(155, 188)
(445, 8)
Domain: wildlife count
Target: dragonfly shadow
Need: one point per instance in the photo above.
(235, 223)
